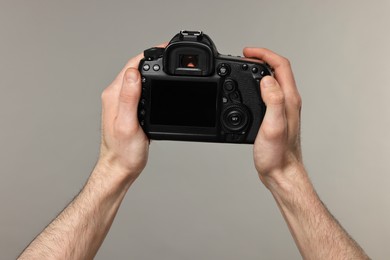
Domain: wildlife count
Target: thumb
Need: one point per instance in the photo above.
(129, 97)
(274, 122)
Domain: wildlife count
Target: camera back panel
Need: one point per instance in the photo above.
(221, 104)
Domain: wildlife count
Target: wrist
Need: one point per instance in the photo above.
(285, 180)
(292, 188)
(111, 171)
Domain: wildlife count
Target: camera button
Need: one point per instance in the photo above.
(146, 67)
(143, 80)
(153, 53)
(244, 66)
(255, 69)
(229, 85)
(156, 67)
(234, 118)
(235, 97)
(223, 70)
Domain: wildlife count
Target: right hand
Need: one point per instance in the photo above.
(277, 148)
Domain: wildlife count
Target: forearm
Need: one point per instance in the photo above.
(316, 232)
(80, 229)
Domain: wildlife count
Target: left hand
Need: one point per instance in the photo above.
(124, 145)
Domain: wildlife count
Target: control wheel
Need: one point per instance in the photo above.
(235, 118)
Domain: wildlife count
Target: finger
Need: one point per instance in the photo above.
(110, 95)
(285, 78)
(134, 63)
(274, 123)
(128, 101)
(281, 65)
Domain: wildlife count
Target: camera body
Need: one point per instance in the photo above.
(190, 92)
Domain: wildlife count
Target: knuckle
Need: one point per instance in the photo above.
(273, 133)
(127, 97)
(276, 97)
(297, 101)
(285, 62)
(106, 94)
(123, 130)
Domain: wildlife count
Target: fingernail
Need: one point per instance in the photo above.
(131, 76)
(268, 81)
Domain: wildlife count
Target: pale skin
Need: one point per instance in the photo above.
(79, 230)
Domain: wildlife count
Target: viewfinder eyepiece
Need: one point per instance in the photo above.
(189, 61)
(190, 53)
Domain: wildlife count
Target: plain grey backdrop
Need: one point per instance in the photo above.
(193, 200)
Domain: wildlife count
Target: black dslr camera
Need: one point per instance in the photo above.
(190, 92)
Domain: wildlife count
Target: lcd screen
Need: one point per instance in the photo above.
(183, 103)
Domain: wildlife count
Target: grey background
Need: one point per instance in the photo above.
(194, 200)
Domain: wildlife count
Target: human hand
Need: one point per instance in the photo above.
(124, 145)
(277, 148)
